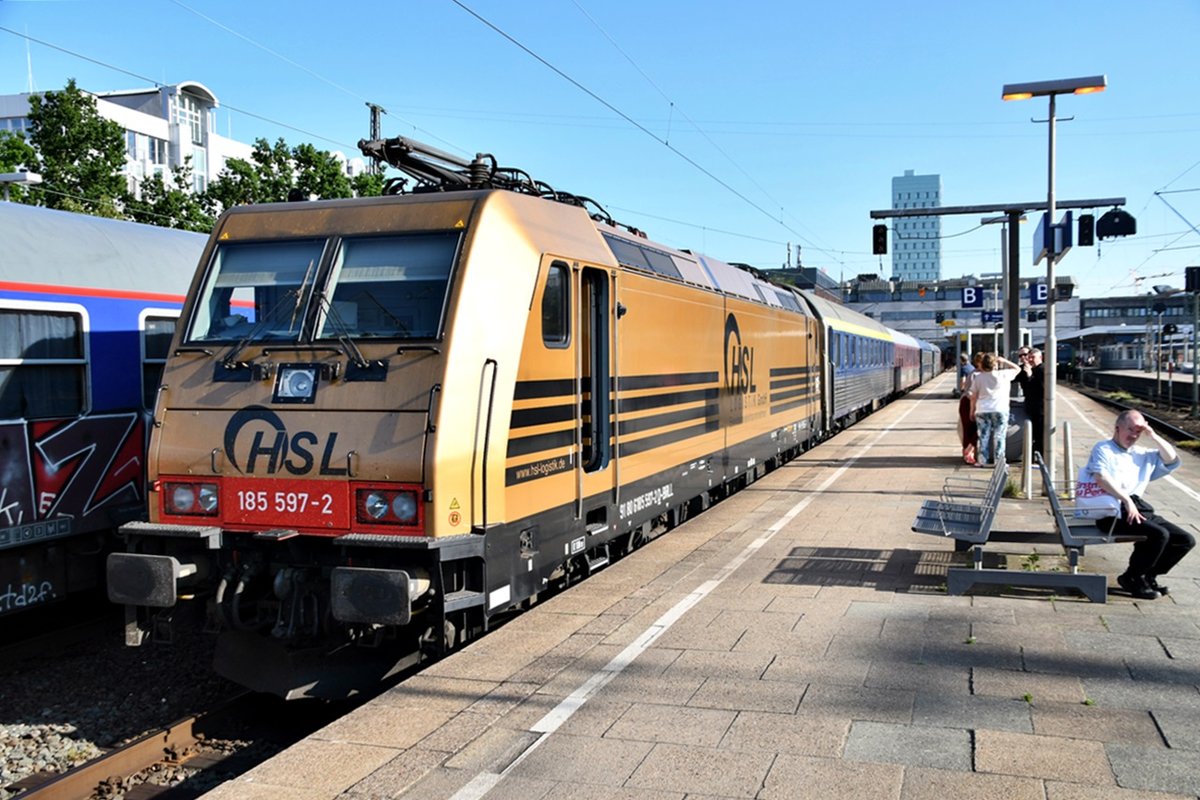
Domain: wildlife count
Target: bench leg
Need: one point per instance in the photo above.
(1094, 587)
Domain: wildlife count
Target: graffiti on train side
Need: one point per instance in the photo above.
(59, 477)
(14, 598)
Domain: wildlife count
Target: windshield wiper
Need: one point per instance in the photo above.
(229, 361)
(343, 334)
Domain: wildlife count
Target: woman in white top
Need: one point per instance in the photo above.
(991, 386)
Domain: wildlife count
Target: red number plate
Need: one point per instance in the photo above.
(267, 503)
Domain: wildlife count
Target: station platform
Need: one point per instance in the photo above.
(796, 640)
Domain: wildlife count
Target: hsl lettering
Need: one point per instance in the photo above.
(272, 449)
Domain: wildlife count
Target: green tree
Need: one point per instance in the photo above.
(266, 178)
(238, 184)
(80, 154)
(319, 173)
(277, 174)
(276, 170)
(365, 184)
(174, 206)
(16, 153)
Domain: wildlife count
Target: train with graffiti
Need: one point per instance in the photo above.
(87, 310)
(385, 422)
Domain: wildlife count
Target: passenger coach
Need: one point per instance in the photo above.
(87, 310)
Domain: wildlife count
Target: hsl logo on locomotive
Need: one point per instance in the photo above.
(274, 449)
(739, 360)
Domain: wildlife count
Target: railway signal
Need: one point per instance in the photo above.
(879, 240)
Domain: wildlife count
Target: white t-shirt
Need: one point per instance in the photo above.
(991, 389)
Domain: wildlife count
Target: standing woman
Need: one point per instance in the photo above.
(966, 411)
(990, 389)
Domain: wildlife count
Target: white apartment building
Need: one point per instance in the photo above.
(163, 126)
(916, 241)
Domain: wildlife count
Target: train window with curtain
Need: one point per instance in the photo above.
(42, 364)
(556, 306)
(390, 286)
(156, 345)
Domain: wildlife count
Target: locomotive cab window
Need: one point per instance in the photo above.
(42, 364)
(257, 290)
(390, 286)
(556, 304)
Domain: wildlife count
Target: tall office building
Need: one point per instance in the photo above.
(916, 241)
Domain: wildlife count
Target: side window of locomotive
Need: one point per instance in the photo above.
(156, 345)
(556, 304)
(256, 290)
(390, 286)
(42, 365)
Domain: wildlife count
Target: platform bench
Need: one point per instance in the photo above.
(966, 509)
(1071, 533)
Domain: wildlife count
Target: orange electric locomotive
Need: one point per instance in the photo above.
(385, 421)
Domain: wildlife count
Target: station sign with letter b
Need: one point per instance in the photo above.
(1038, 292)
(972, 297)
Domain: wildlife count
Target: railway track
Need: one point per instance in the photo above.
(1161, 418)
(173, 745)
(188, 757)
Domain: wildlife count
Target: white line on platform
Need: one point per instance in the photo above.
(484, 782)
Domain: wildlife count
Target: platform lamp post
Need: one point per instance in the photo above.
(1051, 89)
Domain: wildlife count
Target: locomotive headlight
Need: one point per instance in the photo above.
(376, 505)
(208, 498)
(180, 497)
(296, 384)
(183, 499)
(404, 506)
(397, 505)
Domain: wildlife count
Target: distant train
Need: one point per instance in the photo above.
(385, 421)
(87, 310)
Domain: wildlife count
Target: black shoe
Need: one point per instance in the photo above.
(1152, 580)
(1138, 586)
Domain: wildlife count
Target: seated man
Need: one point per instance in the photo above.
(1122, 471)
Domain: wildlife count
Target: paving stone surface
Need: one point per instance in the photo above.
(822, 660)
(971, 712)
(1154, 768)
(1048, 757)
(911, 745)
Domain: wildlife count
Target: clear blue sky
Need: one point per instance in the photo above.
(803, 112)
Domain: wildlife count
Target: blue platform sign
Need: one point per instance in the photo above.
(972, 297)
(1038, 292)
(1062, 231)
(992, 317)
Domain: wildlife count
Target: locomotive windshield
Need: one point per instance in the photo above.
(389, 286)
(377, 287)
(257, 290)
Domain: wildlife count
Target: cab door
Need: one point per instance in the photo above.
(595, 396)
